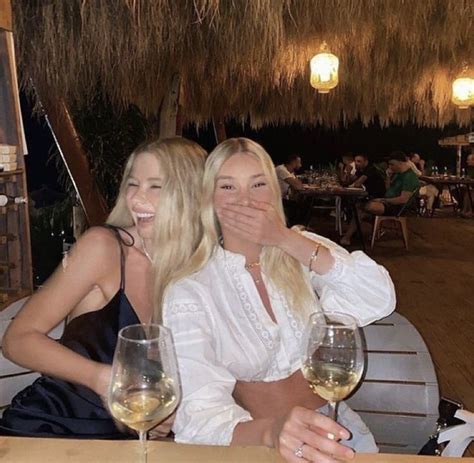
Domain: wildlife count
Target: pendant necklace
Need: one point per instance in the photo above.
(145, 251)
(249, 267)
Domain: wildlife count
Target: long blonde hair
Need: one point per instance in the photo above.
(177, 226)
(284, 271)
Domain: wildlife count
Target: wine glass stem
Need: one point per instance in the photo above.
(332, 410)
(144, 451)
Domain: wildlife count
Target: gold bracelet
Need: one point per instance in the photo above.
(314, 256)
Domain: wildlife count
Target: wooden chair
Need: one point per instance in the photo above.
(398, 398)
(14, 378)
(399, 219)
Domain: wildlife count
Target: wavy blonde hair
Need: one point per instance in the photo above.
(284, 271)
(177, 226)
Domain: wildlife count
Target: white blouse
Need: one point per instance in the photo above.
(223, 333)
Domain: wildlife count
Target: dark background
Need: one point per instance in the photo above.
(319, 145)
(316, 145)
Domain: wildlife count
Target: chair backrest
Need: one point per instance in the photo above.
(410, 203)
(14, 378)
(398, 398)
(458, 437)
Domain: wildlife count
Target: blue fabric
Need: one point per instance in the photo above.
(51, 407)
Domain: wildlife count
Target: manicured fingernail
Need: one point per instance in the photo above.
(331, 436)
(350, 453)
(344, 434)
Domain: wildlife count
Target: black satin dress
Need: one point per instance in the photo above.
(51, 407)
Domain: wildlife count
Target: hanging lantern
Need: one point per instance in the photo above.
(324, 68)
(463, 89)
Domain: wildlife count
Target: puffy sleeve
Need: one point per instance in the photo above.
(356, 284)
(207, 413)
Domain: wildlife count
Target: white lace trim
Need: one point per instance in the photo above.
(295, 323)
(264, 335)
(185, 307)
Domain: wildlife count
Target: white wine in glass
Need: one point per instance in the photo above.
(144, 387)
(333, 357)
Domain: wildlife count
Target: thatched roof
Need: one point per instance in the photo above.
(250, 57)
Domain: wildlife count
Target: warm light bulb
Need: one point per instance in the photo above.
(324, 71)
(463, 92)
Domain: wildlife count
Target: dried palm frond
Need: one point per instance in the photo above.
(241, 58)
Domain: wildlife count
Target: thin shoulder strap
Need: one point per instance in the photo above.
(116, 231)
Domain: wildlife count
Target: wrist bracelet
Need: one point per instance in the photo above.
(314, 256)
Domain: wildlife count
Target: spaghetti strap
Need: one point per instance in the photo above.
(116, 230)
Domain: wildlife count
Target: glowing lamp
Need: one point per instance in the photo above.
(324, 70)
(463, 90)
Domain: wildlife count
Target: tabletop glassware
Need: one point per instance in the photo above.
(145, 387)
(333, 356)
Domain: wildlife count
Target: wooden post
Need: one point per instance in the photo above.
(458, 160)
(169, 109)
(180, 112)
(15, 248)
(219, 130)
(6, 15)
(74, 157)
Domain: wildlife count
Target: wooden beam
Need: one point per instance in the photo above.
(219, 130)
(6, 15)
(180, 113)
(169, 109)
(74, 157)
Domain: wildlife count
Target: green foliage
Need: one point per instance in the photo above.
(109, 138)
(49, 226)
(52, 219)
(332, 168)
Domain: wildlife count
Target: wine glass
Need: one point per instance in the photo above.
(144, 387)
(333, 358)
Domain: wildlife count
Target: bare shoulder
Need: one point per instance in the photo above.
(98, 237)
(97, 244)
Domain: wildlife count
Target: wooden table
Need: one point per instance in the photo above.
(449, 180)
(351, 195)
(452, 182)
(334, 191)
(27, 450)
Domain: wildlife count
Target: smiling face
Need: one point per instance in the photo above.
(240, 180)
(142, 192)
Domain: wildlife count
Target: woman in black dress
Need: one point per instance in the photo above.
(104, 284)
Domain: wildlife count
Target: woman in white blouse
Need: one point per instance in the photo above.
(238, 317)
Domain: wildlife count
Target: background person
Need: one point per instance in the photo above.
(416, 163)
(369, 177)
(401, 183)
(428, 190)
(287, 181)
(466, 206)
(347, 169)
